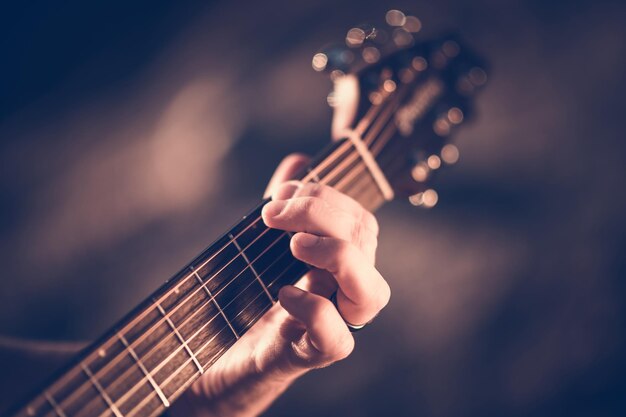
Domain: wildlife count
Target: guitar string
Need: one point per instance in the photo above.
(137, 341)
(371, 137)
(329, 160)
(181, 302)
(180, 348)
(166, 381)
(193, 377)
(164, 296)
(182, 324)
(175, 352)
(152, 395)
(325, 162)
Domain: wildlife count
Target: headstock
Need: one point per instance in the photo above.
(413, 95)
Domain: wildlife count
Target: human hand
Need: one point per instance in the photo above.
(337, 236)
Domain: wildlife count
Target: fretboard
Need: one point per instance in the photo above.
(150, 357)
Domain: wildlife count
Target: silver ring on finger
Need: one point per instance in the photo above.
(352, 327)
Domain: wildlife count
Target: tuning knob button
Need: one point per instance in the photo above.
(320, 60)
(450, 154)
(419, 63)
(433, 162)
(355, 37)
(395, 18)
(412, 24)
(420, 172)
(426, 199)
(455, 115)
(334, 57)
(441, 127)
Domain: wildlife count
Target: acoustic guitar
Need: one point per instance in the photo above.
(413, 94)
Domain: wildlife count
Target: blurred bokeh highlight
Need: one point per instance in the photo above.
(132, 135)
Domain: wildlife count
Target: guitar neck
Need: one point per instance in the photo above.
(151, 356)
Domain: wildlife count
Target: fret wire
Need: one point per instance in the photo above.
(209, 260)
(175, 309)
(169, 378)
(312, 173)
(253, 261)
(147, 374)
(206, 324)
(160, 365)
(180, 338)
(256, 275)
(57, 409)
(192, 379)
(289, 265)
(131, 390)
(101, 390)
(212, 298)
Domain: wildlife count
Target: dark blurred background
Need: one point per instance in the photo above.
(133, 133)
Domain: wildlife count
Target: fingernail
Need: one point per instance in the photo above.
(274, 208)
(286, 190)
(290, 292)
(306, 240)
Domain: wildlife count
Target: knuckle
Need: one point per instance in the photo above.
(312, 207)
(357, 232)
(313, 189)
(322, 310)
(371, 221)
(364, 231)
(384, 295)
(345, 346)
(340, 251)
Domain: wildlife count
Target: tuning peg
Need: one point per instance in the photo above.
(359, 34)
(397, 18)
(420, 172)
(442, 126)
(455, 115)
(335, 59)
(450, 154)
(426, 199)
(403, 27)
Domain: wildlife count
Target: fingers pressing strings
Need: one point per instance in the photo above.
(321, 210)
